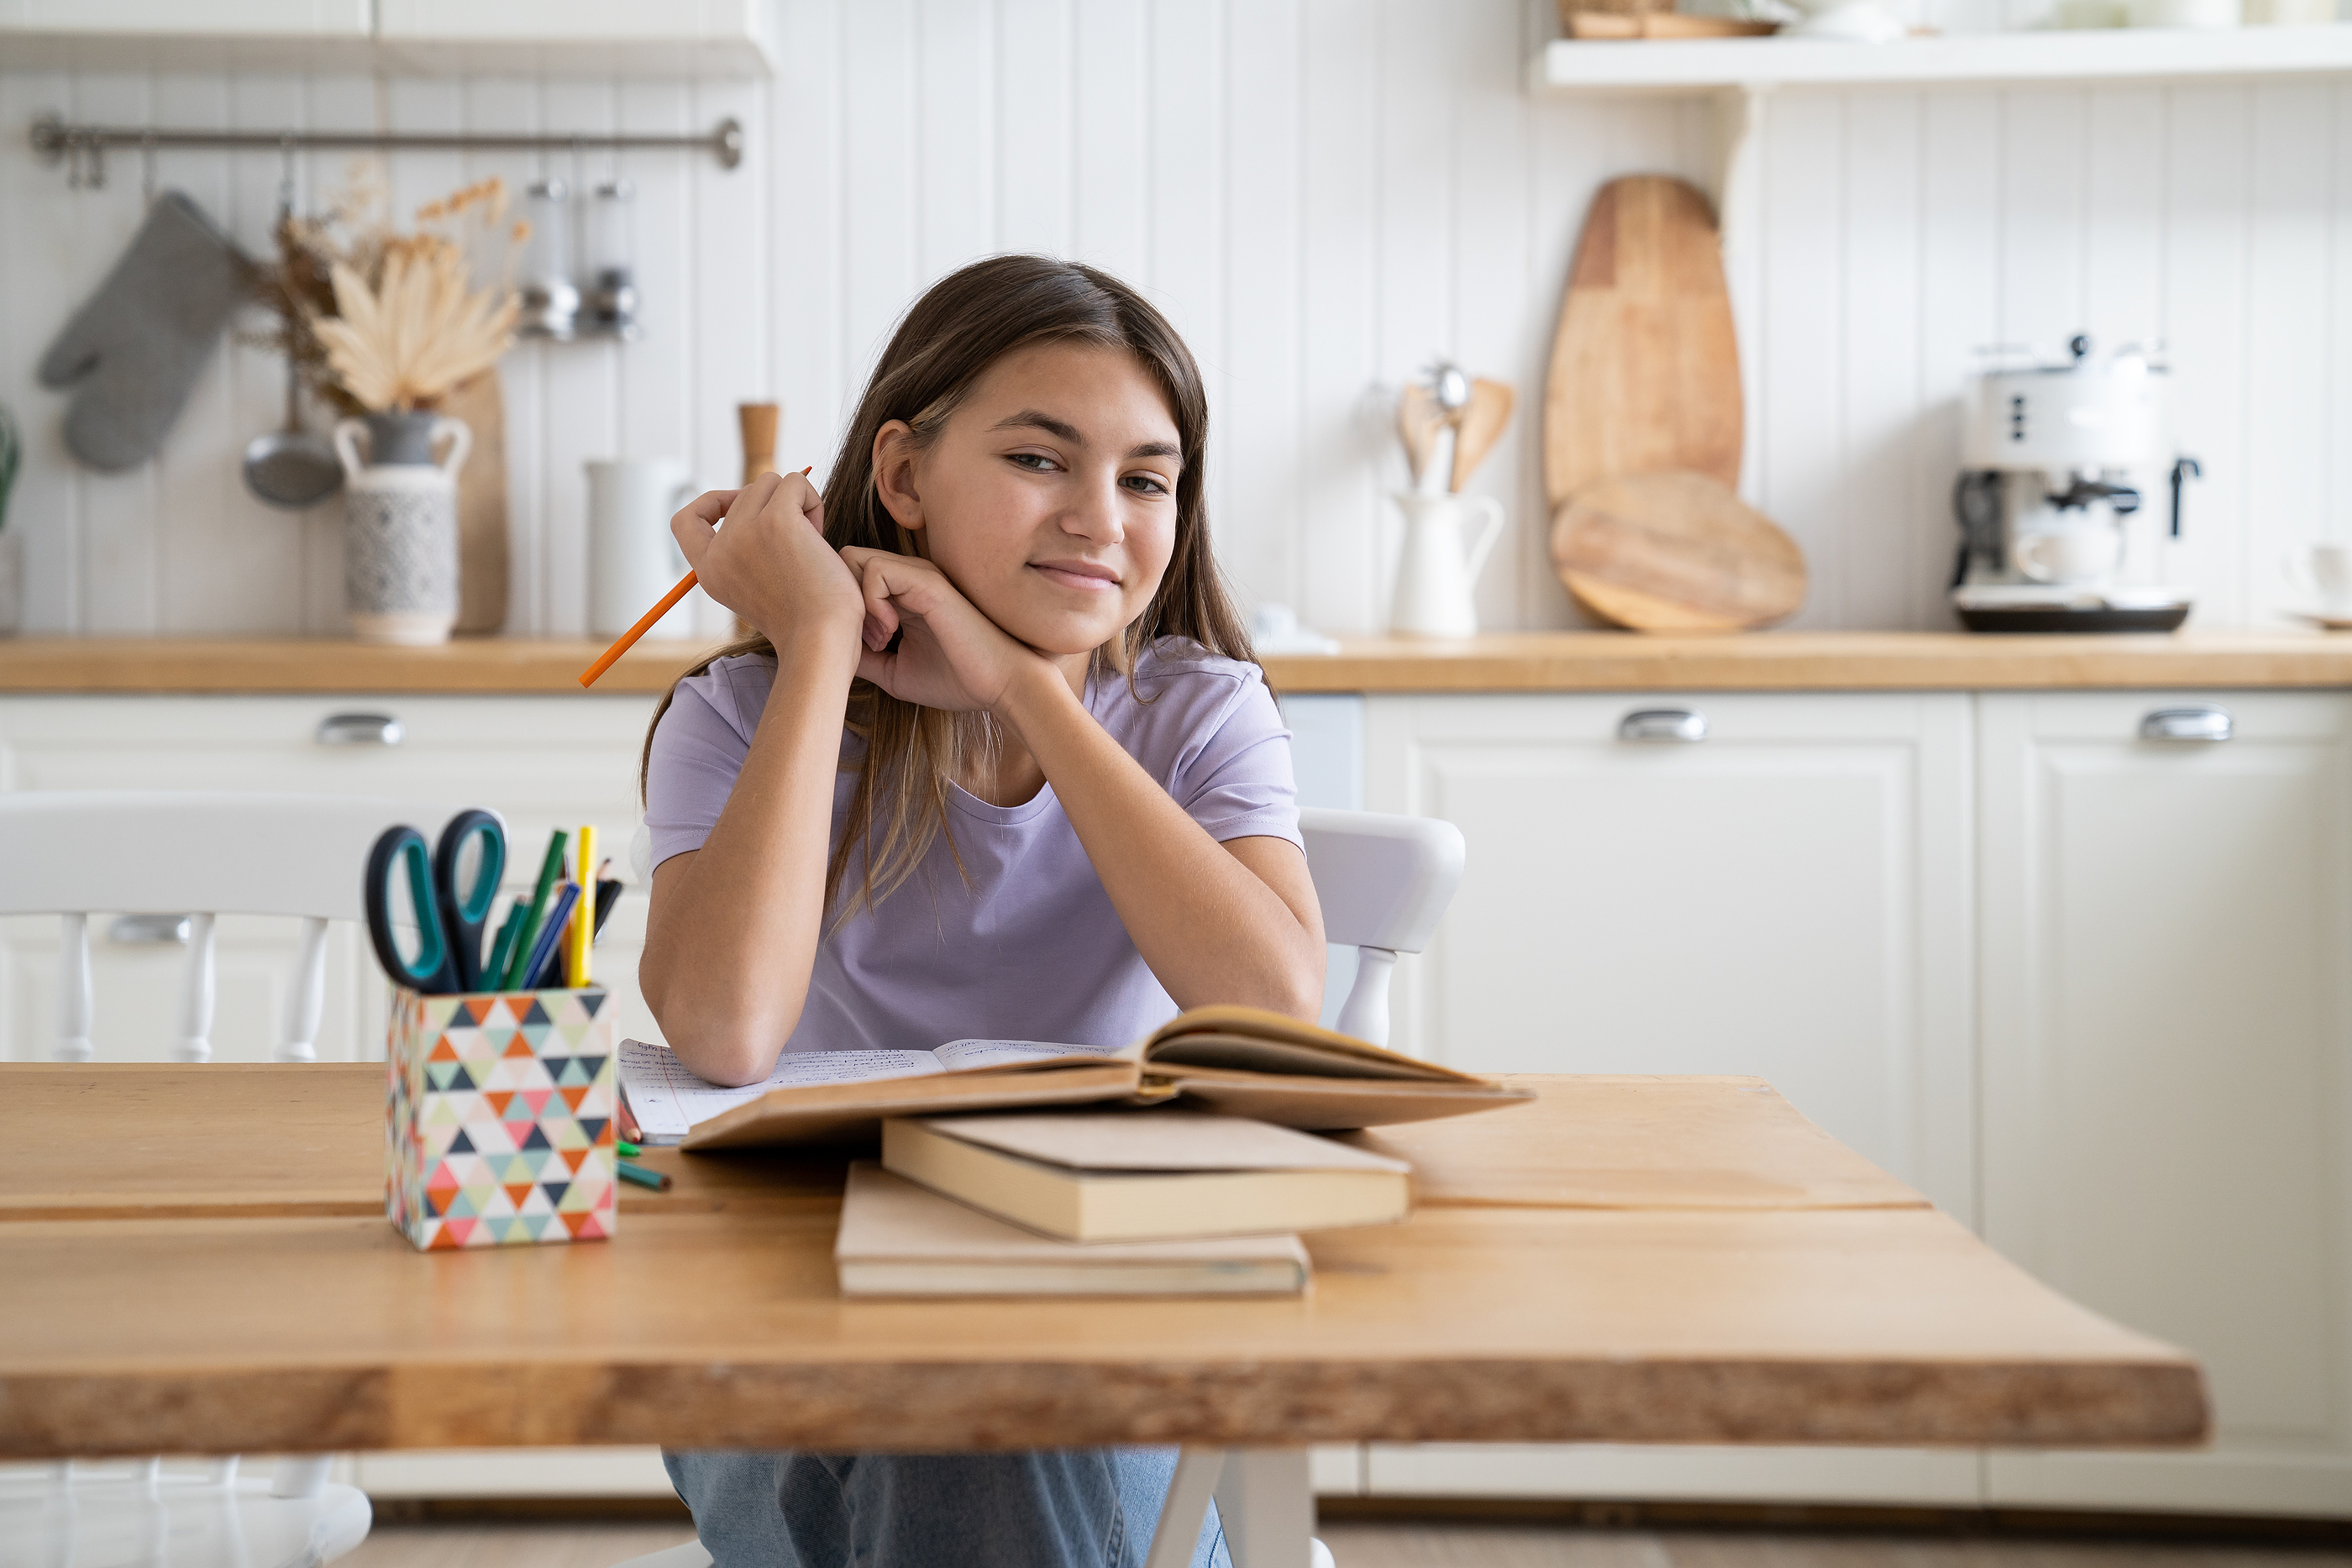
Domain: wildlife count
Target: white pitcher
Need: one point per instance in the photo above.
(632, 559)
(1435, 574)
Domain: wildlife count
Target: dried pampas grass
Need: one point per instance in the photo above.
(412, 341)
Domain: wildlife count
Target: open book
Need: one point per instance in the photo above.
(1239, 1060)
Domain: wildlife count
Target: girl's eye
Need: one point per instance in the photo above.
(1148, 483)
(1036, 462)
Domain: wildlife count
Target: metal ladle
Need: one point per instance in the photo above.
(291, 467)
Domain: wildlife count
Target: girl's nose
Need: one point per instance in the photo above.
(1096, 515)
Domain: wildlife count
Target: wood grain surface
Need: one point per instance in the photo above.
(1645, 366)
(482, 505)
(1676, 551)
(168, 1141)
(725, 1329)
(1497, 662)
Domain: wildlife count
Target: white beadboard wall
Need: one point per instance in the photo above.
(1322, 193)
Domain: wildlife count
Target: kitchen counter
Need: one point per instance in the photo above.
(1505, 662)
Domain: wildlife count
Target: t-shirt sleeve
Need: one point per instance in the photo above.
(1236, 781)
(698, 749)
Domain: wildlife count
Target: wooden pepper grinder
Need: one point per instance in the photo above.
(760, 421)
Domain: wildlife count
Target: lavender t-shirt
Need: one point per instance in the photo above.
(1030, 949)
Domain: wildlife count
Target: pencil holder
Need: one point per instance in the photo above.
(498, 1117)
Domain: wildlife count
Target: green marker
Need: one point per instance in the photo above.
(551, 871)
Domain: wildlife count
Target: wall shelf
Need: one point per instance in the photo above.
(671, 38)
(2121, 54)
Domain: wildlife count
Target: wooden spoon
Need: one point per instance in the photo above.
(1478, 426)
(1419, 421)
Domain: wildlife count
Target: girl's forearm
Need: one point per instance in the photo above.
(1210, 928)
(732, 938)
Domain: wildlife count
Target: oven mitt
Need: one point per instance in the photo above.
(133, 351)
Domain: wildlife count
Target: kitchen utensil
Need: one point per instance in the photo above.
(1676, 551)
(631, 556)
(481, 505)
(291, 467)
(1644, 366)
(1435, 575)
(448, 918)
(1420, 422)
(400, 514)
(1479, 425)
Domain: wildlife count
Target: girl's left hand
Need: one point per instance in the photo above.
(949, 655)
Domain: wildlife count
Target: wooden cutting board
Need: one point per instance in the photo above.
(482, 505)
(1645, 367)
(1675, 552)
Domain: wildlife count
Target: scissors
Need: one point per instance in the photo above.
(449, 920)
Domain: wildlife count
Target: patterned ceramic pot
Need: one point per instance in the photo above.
(400, 522)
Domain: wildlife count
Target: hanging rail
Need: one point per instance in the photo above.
(86, 145)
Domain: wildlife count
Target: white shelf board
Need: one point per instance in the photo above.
(2111, 54)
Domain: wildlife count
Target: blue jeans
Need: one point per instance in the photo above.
(1053, 1508)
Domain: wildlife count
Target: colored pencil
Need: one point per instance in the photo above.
(546, 965)
(642, 1176)
(551, 871)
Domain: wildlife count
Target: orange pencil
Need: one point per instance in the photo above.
(629, 639)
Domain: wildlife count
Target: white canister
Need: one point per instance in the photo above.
(1438, 570)
(400, 526)
(632, 559)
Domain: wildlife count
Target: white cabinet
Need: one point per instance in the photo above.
(542, 763)
(1788, 896)
(2168, 1068)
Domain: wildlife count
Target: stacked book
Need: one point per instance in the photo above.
(1185, 1164)
(1153, 1202)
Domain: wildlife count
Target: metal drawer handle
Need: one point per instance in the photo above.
(1671, 724)
(148, 930)
(359, 729)
(2198, 723)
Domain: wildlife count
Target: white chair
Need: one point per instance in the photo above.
(73, 854)
(1383, 882)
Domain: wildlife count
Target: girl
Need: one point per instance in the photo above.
(993, 762)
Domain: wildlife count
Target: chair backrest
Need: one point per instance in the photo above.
(75, 852)
(1383, 882)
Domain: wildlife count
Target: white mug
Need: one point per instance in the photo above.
(2324, 572)
(631, 559)
(2068, 555)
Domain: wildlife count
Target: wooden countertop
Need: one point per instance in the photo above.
(1504, 662)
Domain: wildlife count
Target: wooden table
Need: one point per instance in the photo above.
(194, 1258)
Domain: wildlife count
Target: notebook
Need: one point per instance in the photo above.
(1240, 1060)
(1137, 1176)
(898, 1239)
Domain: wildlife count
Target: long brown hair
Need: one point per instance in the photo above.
(963, 324)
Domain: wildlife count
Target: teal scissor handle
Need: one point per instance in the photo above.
(463, 912)
(433, 971)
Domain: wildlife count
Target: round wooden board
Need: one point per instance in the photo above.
(1644, 366)
(1675, 552)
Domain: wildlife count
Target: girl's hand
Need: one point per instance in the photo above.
(770, 564)
(949, 655)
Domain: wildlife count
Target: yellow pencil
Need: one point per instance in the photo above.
(584, 914)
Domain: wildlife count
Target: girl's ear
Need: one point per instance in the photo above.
(895, 451)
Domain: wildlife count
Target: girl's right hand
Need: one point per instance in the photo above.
(770, 564)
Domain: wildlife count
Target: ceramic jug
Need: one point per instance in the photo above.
(400, 517)
(631, 559)
(1435, 572)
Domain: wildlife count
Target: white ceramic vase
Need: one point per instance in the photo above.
(400, 526)
(1436, 571)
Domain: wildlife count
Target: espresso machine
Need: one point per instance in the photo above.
(2052, 453)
